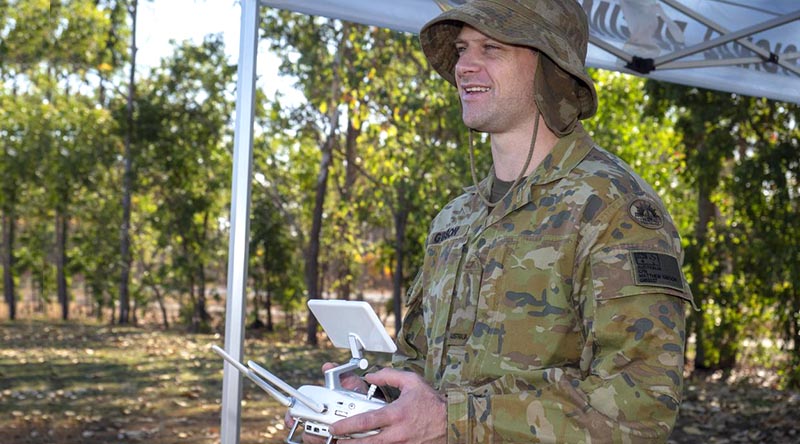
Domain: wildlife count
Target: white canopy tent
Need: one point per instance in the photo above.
(749, 47)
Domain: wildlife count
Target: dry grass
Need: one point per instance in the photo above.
(79, 382)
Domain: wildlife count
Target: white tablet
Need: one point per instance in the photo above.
(340, 318)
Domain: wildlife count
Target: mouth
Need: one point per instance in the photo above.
(469, 90)
(473, 92)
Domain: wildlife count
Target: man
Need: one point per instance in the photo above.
(550, 306)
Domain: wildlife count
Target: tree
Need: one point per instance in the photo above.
(303, 34)
(740, 160)
(185, 155)
(710, 146)
(382, 145)
(23, 43)
(17, 136)
(414, 150)
(127, 174)
(271, 253)
(762, 233)
(71, 141)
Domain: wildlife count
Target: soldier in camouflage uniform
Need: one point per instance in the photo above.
(552, 311)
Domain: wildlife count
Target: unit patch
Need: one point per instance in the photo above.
(646, 214)
(441, 236)
(656, 269)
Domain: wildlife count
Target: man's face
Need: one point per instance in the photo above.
(495, 83)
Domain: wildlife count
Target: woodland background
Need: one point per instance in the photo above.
(115, 186)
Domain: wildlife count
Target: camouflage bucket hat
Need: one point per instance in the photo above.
(558, 29)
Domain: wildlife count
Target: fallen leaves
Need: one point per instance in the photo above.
(72, 382)
(727, 412)
(78, 382)
(692, 430)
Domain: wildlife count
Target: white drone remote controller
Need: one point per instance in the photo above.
(349, 324)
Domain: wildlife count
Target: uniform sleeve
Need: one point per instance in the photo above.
(627, 387)
(411, 342)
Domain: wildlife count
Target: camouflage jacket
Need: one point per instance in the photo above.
(557, 317)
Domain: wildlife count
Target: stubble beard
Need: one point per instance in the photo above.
(477, 118)
(495, 117)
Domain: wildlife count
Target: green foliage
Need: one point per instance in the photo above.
(399, 156)
(726, 166)
(274, 253)
(184, 162)
(742, 160)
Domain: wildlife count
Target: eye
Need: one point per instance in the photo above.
(460, 49)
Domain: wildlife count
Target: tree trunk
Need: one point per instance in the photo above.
(9, 226)
(345, 276)
(127, 181)
(257, 301)
(268, 308)
(194, 322)
(160, 300)
(705, 216)
(312, 253)
(200, 307)
(794, 342)
(37, 288)
(61, 263)
(98, 314)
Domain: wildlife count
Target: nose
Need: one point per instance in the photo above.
(467, 63)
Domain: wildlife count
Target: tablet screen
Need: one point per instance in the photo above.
(340, 318)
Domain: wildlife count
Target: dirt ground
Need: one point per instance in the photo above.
(81, 382)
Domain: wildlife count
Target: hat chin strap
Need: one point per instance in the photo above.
(519, 178)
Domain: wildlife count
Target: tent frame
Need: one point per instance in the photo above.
(643, 65)
(238, 248)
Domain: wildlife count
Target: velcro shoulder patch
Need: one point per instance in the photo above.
(657, 270)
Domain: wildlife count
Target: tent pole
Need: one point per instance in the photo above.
(239, 221)
(609, 48)
(723, 62)
(711, 63)
(728, 36)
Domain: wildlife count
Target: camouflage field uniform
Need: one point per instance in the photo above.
(559, 317)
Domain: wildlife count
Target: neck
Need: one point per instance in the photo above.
(510, 150)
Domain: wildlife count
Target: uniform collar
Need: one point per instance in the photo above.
(568, 152)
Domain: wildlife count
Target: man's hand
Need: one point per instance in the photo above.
(349, 381)
(418, 416)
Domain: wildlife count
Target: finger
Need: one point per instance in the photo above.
(363, 422)
(385, 435)
(392, 377)
(313, 439)
(353, 382)
(329, 365)
(288, 421)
